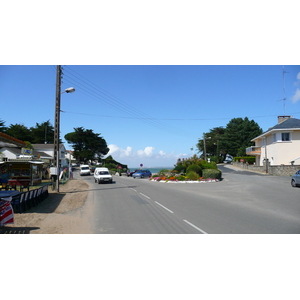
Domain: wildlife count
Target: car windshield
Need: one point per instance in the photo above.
(103, 173)
(85, 168)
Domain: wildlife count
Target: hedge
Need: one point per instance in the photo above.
(211, 173)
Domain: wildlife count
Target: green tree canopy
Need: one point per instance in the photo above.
(2, 126)
(43, 133)
(87, 145)
(232, 140)
(19, 131)
(238, 135)
(213, 145)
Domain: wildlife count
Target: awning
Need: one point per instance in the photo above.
(36, 162)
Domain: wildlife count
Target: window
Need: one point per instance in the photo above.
(285, 136)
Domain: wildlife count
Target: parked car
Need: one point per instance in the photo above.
(142, 174)
(85, 170)
(296, 179)
(102, 175)
(129, 173)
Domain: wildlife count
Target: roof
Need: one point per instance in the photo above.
(288, 124)
(17, 151)
(11, 140)
(46, 146)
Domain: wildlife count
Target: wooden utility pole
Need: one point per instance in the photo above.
(56, 127)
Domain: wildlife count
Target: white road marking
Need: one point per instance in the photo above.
(145, 196)
(133, 190)
(195, 227)
(164, 207)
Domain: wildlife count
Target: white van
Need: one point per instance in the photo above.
(102, 175)
(85, 170)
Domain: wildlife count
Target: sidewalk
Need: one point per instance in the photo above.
(58, 213)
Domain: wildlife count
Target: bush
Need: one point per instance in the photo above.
(194, 168)
(192, 175)
(179, 169)
(212, 173)
(207, 165)
(163, 172)
(247, 159)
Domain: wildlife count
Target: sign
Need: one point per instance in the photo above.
(141, 165)
(119, 167)
(26, 151)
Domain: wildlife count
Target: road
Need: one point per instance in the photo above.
(242, 203)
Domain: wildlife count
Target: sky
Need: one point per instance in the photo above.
(150, 77)
(150, 114)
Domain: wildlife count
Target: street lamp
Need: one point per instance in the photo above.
(55, 176)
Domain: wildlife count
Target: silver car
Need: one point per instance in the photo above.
(296, 179)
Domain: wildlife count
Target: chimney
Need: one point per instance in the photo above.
(283, 118)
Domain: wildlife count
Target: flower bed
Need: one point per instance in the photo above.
(181, 179)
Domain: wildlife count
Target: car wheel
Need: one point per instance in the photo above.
(293, 183)
(142, 176)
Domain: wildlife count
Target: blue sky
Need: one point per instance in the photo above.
(151, 77)
(150, 114)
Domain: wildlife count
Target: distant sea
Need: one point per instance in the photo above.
(152, 170)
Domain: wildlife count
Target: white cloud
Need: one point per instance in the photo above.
(116, 151)
(161, 153)
(146, 152)
(146, 156)
(296, 97)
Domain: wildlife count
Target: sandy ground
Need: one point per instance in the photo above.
(63, 212)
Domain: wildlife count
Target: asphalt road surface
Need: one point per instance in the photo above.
(242, 203)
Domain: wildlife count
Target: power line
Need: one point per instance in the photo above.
(169, 119)
(104, 96)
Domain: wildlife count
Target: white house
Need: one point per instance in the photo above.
(279, 145)
(49, 149)
(9, 153)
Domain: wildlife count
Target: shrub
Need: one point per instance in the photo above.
(179, 168)
(247, 159)
(194, 168)
(207, 165)
(212, 173)
(192, 175)
(181, 178)
(163, 172)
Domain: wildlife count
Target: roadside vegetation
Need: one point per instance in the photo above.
(191, 169)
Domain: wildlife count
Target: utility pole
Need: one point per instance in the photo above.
(56, 127)
(204, 144)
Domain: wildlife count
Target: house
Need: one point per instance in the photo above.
(12, 153)
(279, 145)
(49, 150)
(20, 163)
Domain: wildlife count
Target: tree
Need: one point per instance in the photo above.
(2, 126)
(212, 144)
(20, 132)
(43, 133)
(238, 135)
(87, 145)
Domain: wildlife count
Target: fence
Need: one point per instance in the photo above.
(280, 170)
(26, 200)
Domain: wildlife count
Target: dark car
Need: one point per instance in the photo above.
(142, 174)
(129, 173)
(296, 179)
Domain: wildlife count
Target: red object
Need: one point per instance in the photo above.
(6, 212)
